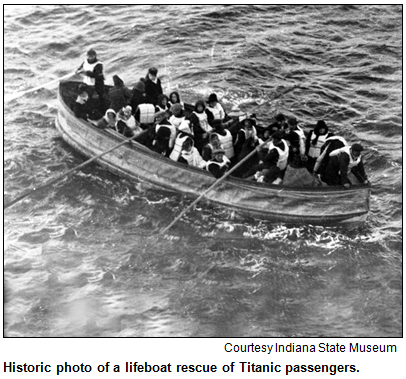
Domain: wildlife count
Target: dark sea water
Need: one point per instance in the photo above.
(79, 259)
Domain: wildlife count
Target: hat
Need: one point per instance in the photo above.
(236, 112)
(83, 87)
(292, 121)
(218, 151)
(212, 97)
(321, 124)
(91, 52)
(128, 108)
(280, 117)
(357, 147)
(140, 87)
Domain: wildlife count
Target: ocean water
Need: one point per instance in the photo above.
(79, 258)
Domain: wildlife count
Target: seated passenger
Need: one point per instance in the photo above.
(124, 123)
(331, 144)
(153, 86)
(279, 124)
(138, 96)
(219, 164)
(200, 125)
(214, 109)
(109, 120)
(225, 138)
(119, 95)
(189, 154)
(178, 115)
(341, 163)
(81, 107)
(164, 134)
(274, 160)
(214, 144)
(163, 103)
(296, 138)
(314, 141)
(174, 98)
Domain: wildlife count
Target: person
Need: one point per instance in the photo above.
(225, 138)
(109, 120)
(153, 87)
(119, 95)
(124, 123)
(219, 164)
(279, 124)
(164, 134)
(183, 133)
(92, 71)
(81, 105)
(214, 144)
(200, 124)
(178, 115)
(274, 161)
(314, 141)
(163, 103)
(296, 138)
(331, 144)
(174, 98)
(343, 161)
(246, 141)
(138, 96)
(214, 109)
(189, 154)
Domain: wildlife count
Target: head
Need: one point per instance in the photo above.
(199, 106)
(280, 119)
(187, 145)
(83, 89)
(111, 114)
(152, 73)
(214, 139)
(356, 149)
(212, 100)
(249, 123)
(321, 127)
(218, 155)
(174, 98)
(117, 81)
(91, 56)
(276, 138)
(127, 111)
(139, 86)
(160, 116)
(162, 100)
(176, 110)
(292, 123)
(217, 124)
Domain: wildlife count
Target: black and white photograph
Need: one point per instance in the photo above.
(212, 170)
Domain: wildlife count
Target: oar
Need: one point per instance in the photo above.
(53, 180)
(13, 96)
(217, 182)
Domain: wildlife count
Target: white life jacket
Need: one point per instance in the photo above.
(147, 113)
(302, 139)
(347, 149)
(314, 150)
(177, 149)
(249, 134)
(204, 124)
(176, 121)
(217, 111)
(227, 143)
(282, 162)
(194, 158)
(172, 135)
(225, 162)
(89, 67)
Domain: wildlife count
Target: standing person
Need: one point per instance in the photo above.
(119, 95)
(92, 70)
(153, 87)
(314, 141)
(341, 163)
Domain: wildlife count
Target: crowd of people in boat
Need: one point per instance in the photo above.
(207, 137)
